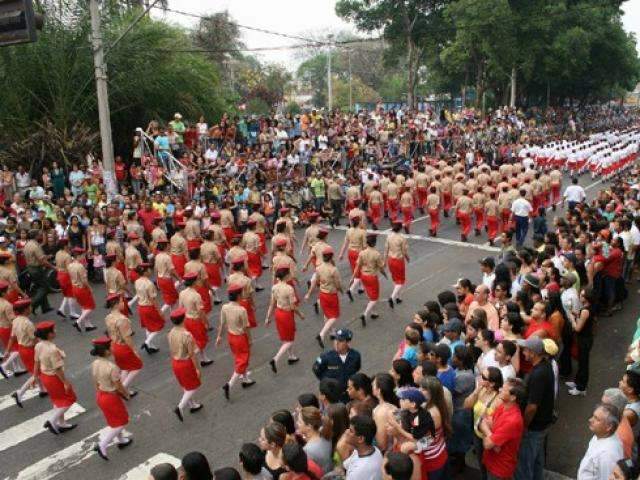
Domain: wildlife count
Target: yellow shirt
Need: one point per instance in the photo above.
(160, 207)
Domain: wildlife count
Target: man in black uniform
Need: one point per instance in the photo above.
(339, 363)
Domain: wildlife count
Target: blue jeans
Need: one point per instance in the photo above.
(531, 456)
(522, 227)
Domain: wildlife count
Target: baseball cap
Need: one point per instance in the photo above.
(343, 334)
(550, 347)
(412, 394)
(533, 343)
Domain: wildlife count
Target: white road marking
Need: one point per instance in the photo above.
(7, 401)
(32, 427)
(141, 472)
(60, 461)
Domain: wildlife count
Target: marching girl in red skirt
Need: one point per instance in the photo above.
(150, 318)
(178, 249)
(166, 276)
(8, 274)
(115, 281)
(251, 243)
(81, 290)
(183, 349)
(110, 394)
(328, 282)
(212, 260)
(11, 358)
(62, 261)
(245, 299)
(370, 263)
(49, 369)
(122, 347)
(355, 241)
(396, 251)
(235, 323)
(196, 321)
(283, 305)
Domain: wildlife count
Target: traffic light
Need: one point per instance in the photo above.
(18, 22)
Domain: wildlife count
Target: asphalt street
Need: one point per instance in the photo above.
(29, 452)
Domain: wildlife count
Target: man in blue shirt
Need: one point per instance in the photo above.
(452, 331)
(339, 363)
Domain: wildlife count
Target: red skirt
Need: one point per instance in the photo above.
(222, 250)
(12, 296)
(64, 280)
(186, 373)
(254, 261)
(113, 408)
(330, 304)
(27, 357)
(198, 330)
(192, 244)
(203, 291)
(57, 394)
(263, 243)
(213, 272)
(125, 358)
(133, 275)
(123, 269)
(251, 313)
(84, 297)
(179, 261)
(286, 325)
(150, 318)
(352, 255)
(397, 269)
(239, 345)
(168, 290)
(229, 232)
(371, 285)
(5, 335)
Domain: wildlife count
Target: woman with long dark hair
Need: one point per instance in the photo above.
(383, 387)
(583, 325)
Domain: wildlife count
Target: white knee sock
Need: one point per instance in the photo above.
(354, 286)
(313, 277)
(57, 417)
(283, 349)
(186, 398)
(107, 437)
(12, 356)
(203, 356)
(214, 290)
(133, 301)
(83, 320)
(25, 386)
(129, 378)
(150, 337)
(164, 308)
(327, 327)
(396, 291)
(74, 307)
(234, 378)
(370, 305)
(63, 306)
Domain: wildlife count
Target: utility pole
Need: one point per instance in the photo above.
(103, 99)
(329, 86)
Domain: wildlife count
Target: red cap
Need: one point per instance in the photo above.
(178, 313)
(282, 269)
(327, 251)
(284, 210)
(133, 236)
(78, 250)
(46, 325)
(113, 296)
(22, 303)
(111, 256)
(190, 276)
(323, 230)
(180, 224)
(234, 288)
(104, 341)
(63, 241)
(281, 242)
(252, 221)
(3, 285)
(215, 214)
(162, 241)
(238, 261)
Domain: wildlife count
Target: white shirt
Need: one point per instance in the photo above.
(575, 193)
(486, 360)
(601, 458)
(488, 278)
(521, 207)
(508, 371)
(364, 468)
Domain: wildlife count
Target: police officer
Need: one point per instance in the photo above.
(37, 265)
(339, 363)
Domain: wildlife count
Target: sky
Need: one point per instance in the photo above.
(301, 18)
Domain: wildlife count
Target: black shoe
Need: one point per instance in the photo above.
(272, 364)
(96, 449)
(308, 284)
(66, 429)
(225, 389)
(375, 315)
(178, 413)
(291, 361)
(76, 326)
(46, 310)
(491, 243)
(217, 302)
(14, 395)
(320, 342)
(363, 320)
(350, 295)
(477, 232)
(75, 317)
(248, 384)
(206, 363)
(360, 291)
(19, 373)
(259, 289)
(463, 238)
(3, 373)
(43, 394)
(91, 328)
(197, 408)
(49, 426)
(316, 307)
(391, 302)
(434, 234)
(125, 444)
(553, 208)
(398, 300)
(133, 393)
(60, 314)
(446, 213)
(406, 230)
